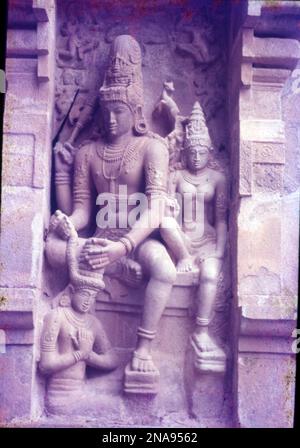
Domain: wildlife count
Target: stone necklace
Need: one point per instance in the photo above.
(117, 155)
(74, 320)
(195, 179)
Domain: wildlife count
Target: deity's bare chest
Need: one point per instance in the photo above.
(114, 167)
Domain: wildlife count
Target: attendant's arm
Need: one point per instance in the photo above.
(103, 355)
(172, 206)
(221, 207)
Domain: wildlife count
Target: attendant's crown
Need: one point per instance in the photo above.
(85, 279)
(196, 131)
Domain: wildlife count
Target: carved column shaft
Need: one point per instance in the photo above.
(25, 196)
(267, 302)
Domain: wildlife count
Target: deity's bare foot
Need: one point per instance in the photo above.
(142, 361)
(203, 342)
(184, 265)
(131, 272)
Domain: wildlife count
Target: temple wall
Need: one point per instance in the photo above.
(263, 128)
(25, 196)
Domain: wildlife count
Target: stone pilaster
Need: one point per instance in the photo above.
(265, 364)
(25, 195)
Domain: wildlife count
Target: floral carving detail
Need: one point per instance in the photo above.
(268, 177)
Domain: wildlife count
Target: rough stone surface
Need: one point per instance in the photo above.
(266, 256)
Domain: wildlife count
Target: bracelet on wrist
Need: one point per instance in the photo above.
(62, 178)
(77, 355)
(128, 243)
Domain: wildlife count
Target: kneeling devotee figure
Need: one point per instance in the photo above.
(129, 156)
(200, 241)
(72, 338)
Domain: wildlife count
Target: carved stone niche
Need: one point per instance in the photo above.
(184, 321)
(169, 77)
(140, 325)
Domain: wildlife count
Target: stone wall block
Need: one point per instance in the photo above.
(21, 237)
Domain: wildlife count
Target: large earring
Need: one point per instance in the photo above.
(140, 125)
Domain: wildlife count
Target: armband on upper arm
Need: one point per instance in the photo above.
(155, 180)
(50, 333)
(81, 177)
(221, 205)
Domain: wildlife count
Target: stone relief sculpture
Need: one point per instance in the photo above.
(200, 242)
(167, 104)
(107, 147)
(128, 155)
(78, 43)
(72, 338)
(125, 156)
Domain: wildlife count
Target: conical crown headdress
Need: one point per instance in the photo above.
(196, 131)
(123, 78)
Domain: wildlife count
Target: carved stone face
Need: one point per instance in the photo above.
(117, 118)
(82, 300)
(197, 157)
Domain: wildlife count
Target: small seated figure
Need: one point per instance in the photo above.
(200, 242)
(72, 338)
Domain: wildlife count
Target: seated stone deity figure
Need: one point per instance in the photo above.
(129, 156)
(72, 338)
(200, 241)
